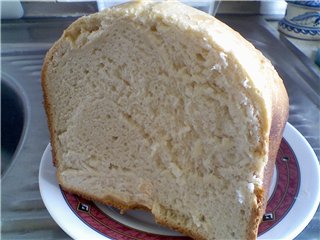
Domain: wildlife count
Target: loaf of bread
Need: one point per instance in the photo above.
(159, 106)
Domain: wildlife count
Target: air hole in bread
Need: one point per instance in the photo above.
(200, 57)
(153, 28)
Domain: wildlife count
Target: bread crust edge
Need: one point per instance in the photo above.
(46, 102)
(280, 113)
(124, 207)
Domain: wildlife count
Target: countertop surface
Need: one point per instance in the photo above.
(24, 44)
(308, 48)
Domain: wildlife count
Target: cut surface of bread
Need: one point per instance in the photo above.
(162, 107)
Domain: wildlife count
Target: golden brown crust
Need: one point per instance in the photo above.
(46, 103)
(173, 226)
(280, 112)
(280, 106)
(256, 214)
(108, 200)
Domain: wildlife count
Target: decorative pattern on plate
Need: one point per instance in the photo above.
(91, 215)
(280, 202)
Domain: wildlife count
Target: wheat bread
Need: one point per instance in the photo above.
(162, 107)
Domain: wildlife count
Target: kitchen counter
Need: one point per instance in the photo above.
(308, 48)
(24, 44)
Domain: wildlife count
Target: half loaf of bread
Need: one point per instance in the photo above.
(163, 107)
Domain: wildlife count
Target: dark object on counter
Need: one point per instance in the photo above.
(317, 58)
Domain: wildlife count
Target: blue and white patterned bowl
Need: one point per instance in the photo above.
(302, 20)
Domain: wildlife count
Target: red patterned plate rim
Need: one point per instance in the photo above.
(85, 219)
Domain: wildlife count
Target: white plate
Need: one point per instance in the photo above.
(294, 194)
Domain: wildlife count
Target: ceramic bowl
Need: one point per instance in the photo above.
(302, 20)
